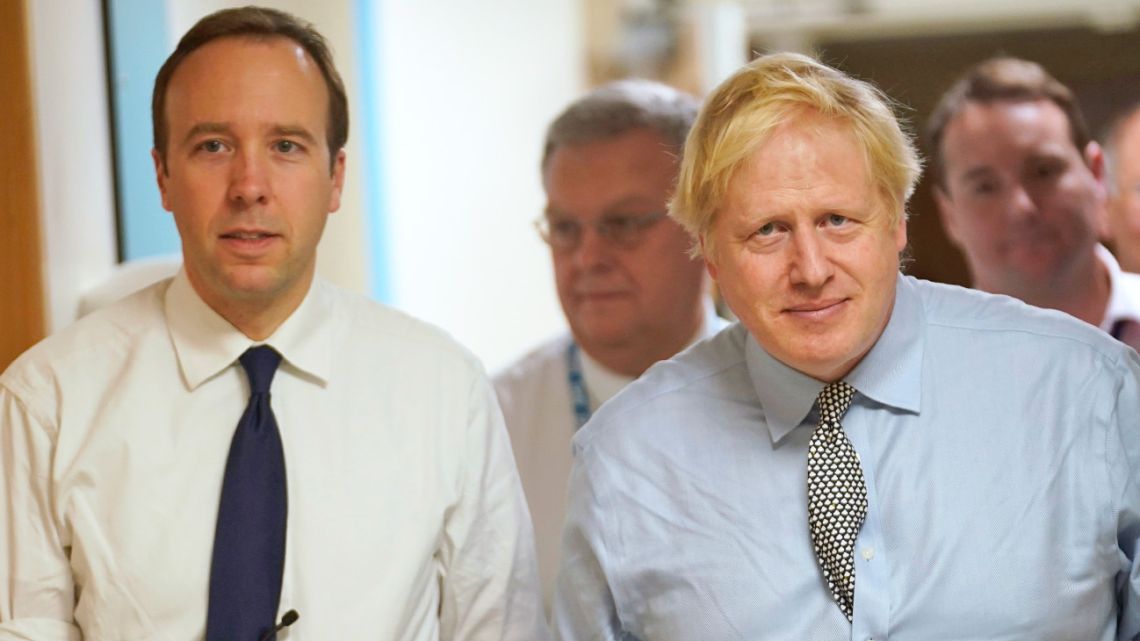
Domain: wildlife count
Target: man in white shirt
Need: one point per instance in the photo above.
(1122, 181)
(631, 293)
(1020, 186)
(375, 491)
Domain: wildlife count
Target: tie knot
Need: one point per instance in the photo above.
(834, 400)
(260, 364)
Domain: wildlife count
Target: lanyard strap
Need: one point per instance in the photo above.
(579, 398)
(1118, 329)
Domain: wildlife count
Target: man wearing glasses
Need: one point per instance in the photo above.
(631, 293)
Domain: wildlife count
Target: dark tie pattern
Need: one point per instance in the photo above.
(837, 496)
(249, 543)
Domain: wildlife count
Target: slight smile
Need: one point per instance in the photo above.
(817, 311)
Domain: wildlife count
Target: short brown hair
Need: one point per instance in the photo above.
(1002, 79)
(260, 23)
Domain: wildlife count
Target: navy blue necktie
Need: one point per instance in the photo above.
(249, 543)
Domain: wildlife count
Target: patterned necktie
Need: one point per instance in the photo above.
(249, 543)
(837, 496)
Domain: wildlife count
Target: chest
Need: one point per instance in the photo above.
(137, 488)
(1012, 525)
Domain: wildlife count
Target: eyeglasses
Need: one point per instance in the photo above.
(565, 234)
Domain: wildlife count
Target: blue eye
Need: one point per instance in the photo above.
(766, 230)
(835, 220)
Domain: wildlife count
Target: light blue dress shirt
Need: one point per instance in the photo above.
(1000, 445)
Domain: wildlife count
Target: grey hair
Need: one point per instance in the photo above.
(1110, 143)
(618, 107)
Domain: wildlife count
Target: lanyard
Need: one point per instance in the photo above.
(1118, 329)
(579, 398)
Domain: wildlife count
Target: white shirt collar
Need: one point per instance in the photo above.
(206, 343)
(1124, 297)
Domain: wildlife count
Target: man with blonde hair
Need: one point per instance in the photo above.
(866, 455)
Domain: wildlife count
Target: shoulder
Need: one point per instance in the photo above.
(96, 343)
(712, 369)
(375, 330)
(540, 362)
(533, 390)
(1008, 323)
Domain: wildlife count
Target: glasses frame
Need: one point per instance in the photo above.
(621, 230)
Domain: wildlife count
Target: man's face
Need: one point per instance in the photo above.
(805, 250)
(1021, 201)
(643, 298)
(1124, 197)
(247, 173)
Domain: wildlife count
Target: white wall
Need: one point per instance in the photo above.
(74, 159)
(467, 90)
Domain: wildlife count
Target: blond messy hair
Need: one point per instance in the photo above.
(767, 93)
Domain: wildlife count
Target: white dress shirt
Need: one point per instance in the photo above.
(1124, 299)
(535, 396)
(406, 517)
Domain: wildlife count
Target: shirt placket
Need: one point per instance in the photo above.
(872, 573)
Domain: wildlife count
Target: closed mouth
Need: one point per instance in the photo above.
(247, 235)
(816, 309)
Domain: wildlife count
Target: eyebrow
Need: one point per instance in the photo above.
(291, 131)
(977, 173)
(294, 131)
(618, 207)
(206, 128)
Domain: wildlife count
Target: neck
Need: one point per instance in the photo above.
(634, 357)
(257, 322)
(257, 316)
(1084, 293)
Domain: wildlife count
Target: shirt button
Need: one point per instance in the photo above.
(868, 554)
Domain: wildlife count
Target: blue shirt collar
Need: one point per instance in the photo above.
(890, 374)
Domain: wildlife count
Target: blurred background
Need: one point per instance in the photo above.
(449, 102)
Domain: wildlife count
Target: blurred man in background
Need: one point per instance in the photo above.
(1122, 179)
(631, 293)
(1020, 187)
